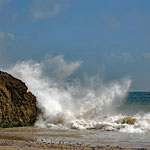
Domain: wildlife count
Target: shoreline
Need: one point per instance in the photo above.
(6, 144)
(26, 138)
(15, 145)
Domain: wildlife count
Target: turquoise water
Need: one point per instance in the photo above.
(136, 102)
(140, 98)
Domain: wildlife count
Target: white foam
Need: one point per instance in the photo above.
(74, 104)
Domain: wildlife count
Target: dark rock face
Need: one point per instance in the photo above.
(17, 106)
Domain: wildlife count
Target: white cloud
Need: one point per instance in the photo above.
(36, 10)
(2, 2)
(6, 35)
(45, 9)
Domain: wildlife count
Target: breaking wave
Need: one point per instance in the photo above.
(68, 103)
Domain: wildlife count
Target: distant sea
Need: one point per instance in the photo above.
(136, 102)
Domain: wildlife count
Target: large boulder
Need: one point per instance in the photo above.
(17, 105)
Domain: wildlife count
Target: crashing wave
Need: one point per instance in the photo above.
(81, 105)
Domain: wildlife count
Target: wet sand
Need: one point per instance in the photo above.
(30, 138)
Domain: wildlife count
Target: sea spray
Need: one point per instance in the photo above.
(81, 105)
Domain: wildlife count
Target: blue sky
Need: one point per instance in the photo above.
(111, 37)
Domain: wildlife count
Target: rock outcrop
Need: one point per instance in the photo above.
(17, 106)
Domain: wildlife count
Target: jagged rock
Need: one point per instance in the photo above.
(17, 106)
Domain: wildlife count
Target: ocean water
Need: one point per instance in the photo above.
(85, 105)
(136, 103)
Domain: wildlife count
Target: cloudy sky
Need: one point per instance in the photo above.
(111, 37)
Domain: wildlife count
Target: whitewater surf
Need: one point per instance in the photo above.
(76, 104)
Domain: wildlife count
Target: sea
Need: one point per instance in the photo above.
(104, 112)
(137, 102)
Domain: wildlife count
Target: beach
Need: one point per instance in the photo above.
(25, 138)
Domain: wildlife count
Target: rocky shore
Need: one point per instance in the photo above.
(17, 104)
